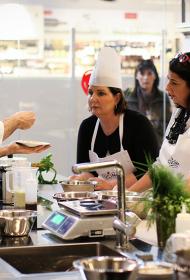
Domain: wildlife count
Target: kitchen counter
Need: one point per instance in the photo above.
(44, 238)
(144, 243)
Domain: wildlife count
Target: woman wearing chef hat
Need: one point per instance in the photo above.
(112, 132)
(175, 150)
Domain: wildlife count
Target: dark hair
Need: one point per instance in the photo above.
(181, 66)
(146, 64)
(122, 104)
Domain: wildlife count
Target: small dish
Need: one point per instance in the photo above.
(155, 271)
(31, 143)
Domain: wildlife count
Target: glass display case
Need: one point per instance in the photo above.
(45, 49)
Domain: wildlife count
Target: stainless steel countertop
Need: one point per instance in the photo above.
(44, 238)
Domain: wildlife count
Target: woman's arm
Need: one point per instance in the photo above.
(19, 120)
(142, 184)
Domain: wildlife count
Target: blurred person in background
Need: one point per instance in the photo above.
(147, 98)
(175, 150)
(112, 132)
(20, 120)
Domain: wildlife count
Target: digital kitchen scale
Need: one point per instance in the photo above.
(91, 218)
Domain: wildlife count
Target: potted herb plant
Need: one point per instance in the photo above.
(44, 166)
(168, 193)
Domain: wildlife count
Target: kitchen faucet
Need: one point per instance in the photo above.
(123, 229)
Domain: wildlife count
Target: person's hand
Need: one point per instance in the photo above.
(81, 177)
(15, 148)
(102, 184)
(24, 119)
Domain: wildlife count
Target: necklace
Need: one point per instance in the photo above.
(178, 127)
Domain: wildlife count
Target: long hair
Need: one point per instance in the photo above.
(146, 64)
(122, 104)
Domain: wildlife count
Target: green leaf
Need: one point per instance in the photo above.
(46, 165)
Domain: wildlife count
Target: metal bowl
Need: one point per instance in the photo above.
(105, 268)
(16, 222)
(69, 196)
(135, 201)
(78, 186)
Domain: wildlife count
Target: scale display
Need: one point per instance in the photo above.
(57, 219)
(59, 222)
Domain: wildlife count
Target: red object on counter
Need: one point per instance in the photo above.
(85, 81)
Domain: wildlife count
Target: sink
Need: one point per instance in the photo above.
(54, 258)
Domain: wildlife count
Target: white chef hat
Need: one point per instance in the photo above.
(107, 71)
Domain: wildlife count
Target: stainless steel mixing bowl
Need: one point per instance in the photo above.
(78, 186)
(105, 268)
(16, 222)
(135, 201)
(69, 196)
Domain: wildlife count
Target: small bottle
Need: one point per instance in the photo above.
(182, 220)
(19, 198)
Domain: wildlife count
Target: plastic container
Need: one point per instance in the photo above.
(183, 220)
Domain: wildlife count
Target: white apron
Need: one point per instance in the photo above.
(122, 156)
(177, 156)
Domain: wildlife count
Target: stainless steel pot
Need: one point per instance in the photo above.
(16, 222)
(78, 186)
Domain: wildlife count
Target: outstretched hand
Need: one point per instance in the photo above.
(15, 148)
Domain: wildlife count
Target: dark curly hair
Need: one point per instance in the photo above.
(181, 66)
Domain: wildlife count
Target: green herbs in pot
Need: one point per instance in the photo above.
(44, 166)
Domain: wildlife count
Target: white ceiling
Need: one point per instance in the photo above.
(132, 5)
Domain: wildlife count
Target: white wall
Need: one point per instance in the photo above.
(59, 105)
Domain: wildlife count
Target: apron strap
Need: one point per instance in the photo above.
(94, 134)
(120, 132)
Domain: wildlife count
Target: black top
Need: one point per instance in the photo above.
(139, 139)
(153, 106)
